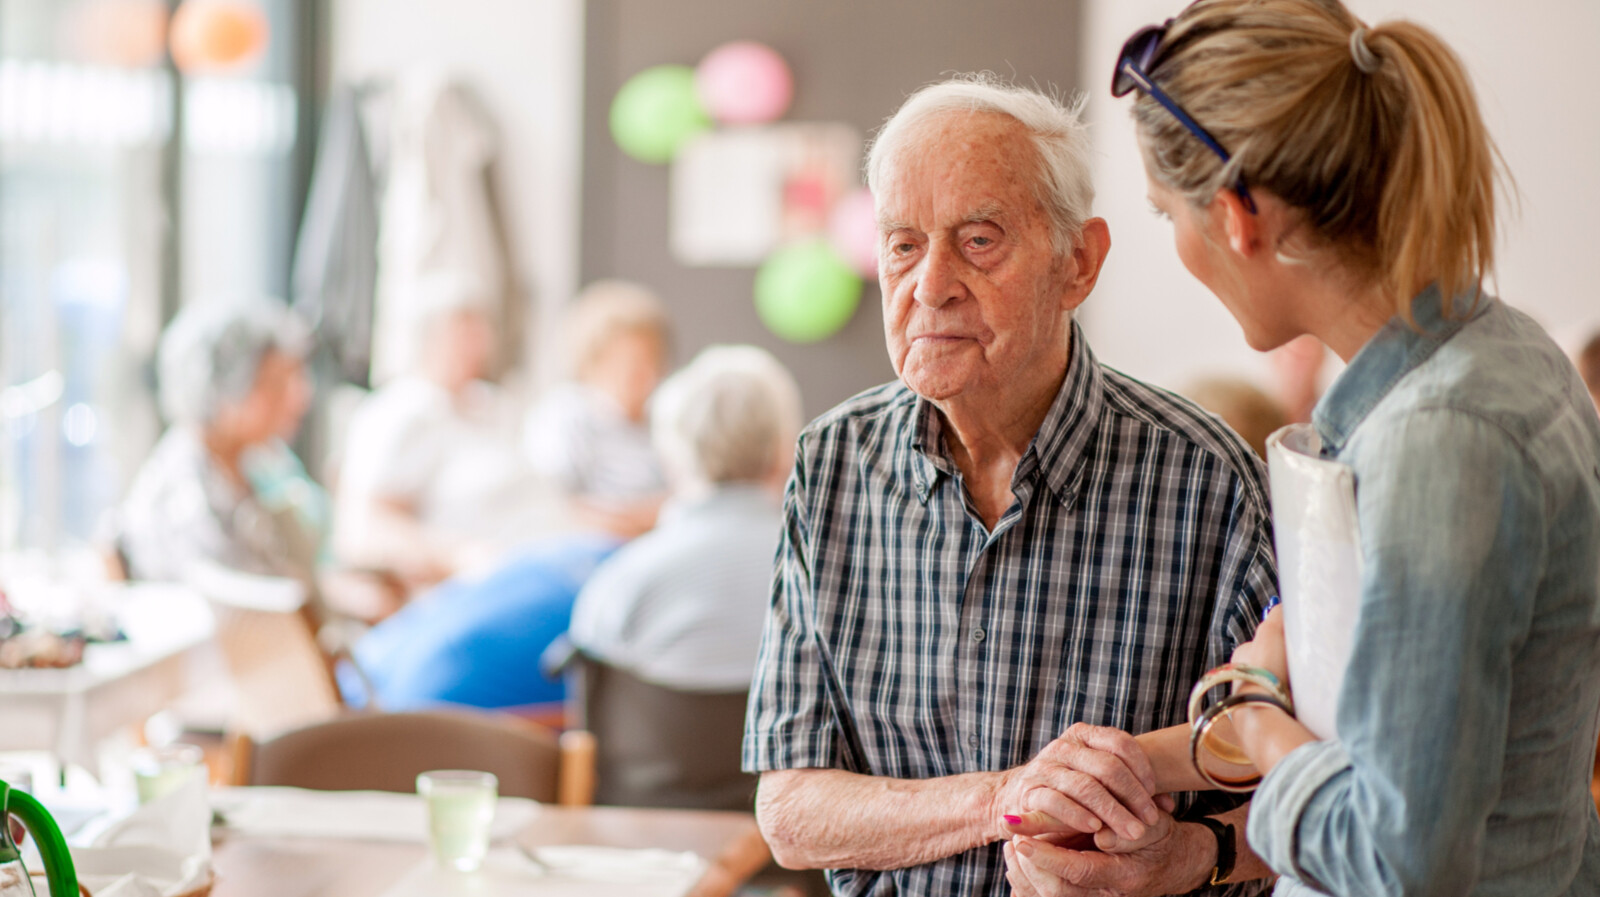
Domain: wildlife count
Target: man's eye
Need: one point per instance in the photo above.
(903, 248)
(982, 242)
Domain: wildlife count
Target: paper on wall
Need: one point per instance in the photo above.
(1319, 569)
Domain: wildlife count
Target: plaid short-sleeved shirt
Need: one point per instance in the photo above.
(906, 640)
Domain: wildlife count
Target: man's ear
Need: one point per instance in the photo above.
(1242, 226)
(1088, 256)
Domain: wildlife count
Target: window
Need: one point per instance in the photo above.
(126, 189)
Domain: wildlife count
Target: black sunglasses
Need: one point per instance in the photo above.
(1133, 70)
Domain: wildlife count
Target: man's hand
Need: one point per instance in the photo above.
(1088, 778)
(1175, 859)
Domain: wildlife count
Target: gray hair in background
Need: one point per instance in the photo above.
(211, 352)
(1062, 182)
(730, 415)
(605, 310)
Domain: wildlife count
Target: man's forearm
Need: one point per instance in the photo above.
(829, 819)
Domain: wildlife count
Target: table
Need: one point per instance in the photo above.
(69, 710)
(248, 866)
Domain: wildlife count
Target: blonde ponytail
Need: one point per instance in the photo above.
(1436, 217)
(1375, 137)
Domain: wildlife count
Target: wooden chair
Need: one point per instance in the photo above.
(386, 751)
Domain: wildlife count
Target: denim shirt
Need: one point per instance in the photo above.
(1467, 718)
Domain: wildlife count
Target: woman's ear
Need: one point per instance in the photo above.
(1242, 226)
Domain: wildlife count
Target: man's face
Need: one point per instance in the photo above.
(974, 293)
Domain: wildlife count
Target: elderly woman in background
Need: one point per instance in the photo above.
(589, 434)
(221, 493)
(223, 505)
(432, 482)
(683, 606)
(669, 626)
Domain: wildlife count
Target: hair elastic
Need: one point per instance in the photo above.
(1366, 60)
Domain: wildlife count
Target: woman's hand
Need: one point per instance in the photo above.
(1267, 649)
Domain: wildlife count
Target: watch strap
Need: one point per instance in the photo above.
(1227, 848)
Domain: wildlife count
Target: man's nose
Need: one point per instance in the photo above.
(939, 280)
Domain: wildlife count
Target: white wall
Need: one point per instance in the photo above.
(1530, 64)
(524, 59)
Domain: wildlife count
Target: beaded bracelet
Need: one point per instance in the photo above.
(1202, 728)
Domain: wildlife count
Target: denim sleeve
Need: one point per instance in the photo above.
(1452, 538)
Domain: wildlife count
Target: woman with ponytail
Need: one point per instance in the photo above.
(1324, 177)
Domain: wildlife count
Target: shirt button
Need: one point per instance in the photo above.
(972, 740)
(977, 635)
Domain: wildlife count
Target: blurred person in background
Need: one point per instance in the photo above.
(221, 488)
(1297, 376)
(223, 505)
(679, 610)
(590, 434)
(1251, 413)
(683, 605)
(431, 481)
(1589, 368)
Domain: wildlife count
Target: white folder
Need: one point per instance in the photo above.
(1319, 569)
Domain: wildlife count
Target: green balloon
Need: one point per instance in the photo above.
(806, 292)
(656, 111)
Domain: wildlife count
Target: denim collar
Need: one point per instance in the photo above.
(1393, 352)
(1057, 450)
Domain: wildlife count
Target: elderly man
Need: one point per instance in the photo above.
(986, 562)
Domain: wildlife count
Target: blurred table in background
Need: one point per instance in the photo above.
(68, 711)
(250, 865)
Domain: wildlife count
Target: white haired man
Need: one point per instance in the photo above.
(993, 564)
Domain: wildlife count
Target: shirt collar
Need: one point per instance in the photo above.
(1392, 353)
(1057, 450)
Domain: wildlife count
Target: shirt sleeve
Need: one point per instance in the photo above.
(790, 723)
(1452, 542)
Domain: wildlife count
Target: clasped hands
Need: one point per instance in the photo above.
(1084, 817)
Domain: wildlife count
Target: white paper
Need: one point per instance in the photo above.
(561, 871)
(1319, 569)
(161, 849)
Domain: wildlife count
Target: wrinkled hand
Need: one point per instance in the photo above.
(1267, 649)
(1165, 862)
(1089, 778)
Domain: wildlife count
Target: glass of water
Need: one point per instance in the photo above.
(159, 771)
(460, 813)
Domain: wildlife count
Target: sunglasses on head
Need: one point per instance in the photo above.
(1133, 70)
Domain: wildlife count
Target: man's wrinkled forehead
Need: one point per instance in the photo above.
(949, 151)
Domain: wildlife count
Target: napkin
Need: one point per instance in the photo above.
(560, 871)
(356, 815)
(162, 849)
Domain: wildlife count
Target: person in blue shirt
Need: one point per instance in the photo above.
(1331, 178)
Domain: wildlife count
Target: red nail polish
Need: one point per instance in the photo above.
(1013, 820)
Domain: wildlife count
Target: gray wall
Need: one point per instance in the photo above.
(853, 61)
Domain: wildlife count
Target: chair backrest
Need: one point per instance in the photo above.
(386, 751)
(657, 746)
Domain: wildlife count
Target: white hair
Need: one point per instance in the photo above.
(730, 415)
(1061, 181)
(211, 353)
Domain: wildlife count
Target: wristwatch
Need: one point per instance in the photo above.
(1227, 848)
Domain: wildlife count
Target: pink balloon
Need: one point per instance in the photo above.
(853, 231)
(744, 82)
